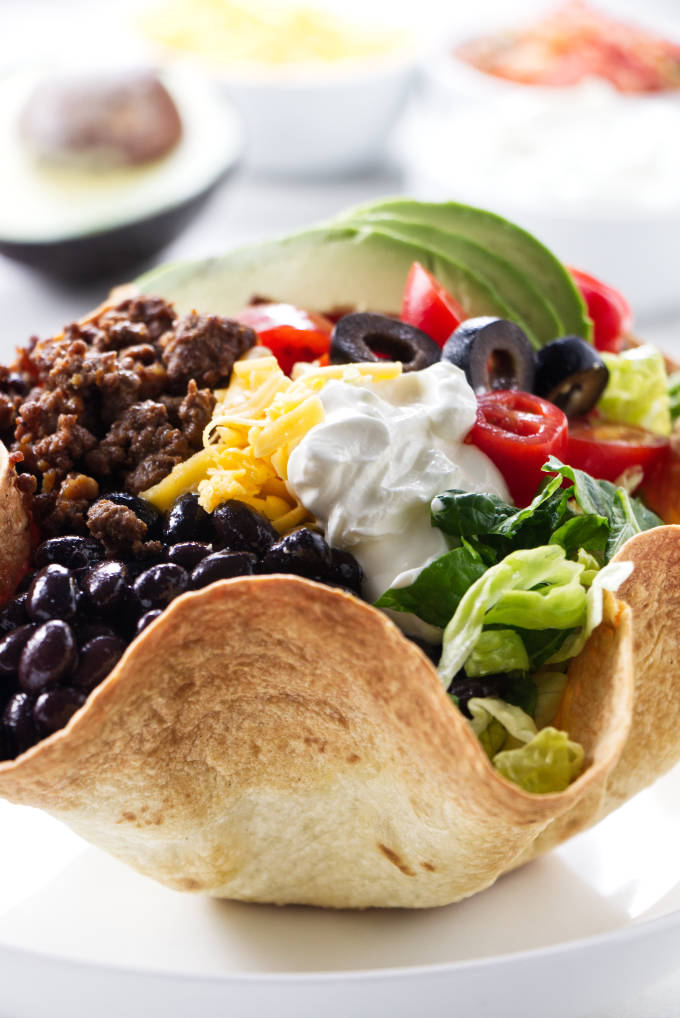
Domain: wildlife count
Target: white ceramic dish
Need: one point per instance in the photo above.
(81, 935)
(591, 172)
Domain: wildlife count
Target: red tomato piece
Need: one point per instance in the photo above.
(661, 488)
(518, 432)
(606, 449)
(609, 310)
(291, 334)
(427, 305)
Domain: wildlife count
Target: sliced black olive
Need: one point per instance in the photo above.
(494, 354)
(571, 374)
(363, 336)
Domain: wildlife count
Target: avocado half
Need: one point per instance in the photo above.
(361, 260)
(79, 224)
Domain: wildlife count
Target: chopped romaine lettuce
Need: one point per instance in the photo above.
(548, 763)
(497, 650)
(674, 395)
(550, 686)
(436, 592)
(637, 390)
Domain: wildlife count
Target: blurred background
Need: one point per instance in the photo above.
(139, 132)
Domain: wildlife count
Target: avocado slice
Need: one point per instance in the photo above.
(319, 269)
(528, 308)
(539, 265)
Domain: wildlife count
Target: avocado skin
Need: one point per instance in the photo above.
(541, 268)
(107, 253)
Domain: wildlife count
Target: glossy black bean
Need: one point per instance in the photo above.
(49, 655)
(96, 659)
(7, 746)
(188, 554)
(55, 707)
(223, 565)
(464, 688)
(187, 521)
(17, 384)
(304, 552)
(86, 630)
(53, 594)
(17, 718)
(24, 583)
(240, 528)
(147, 618)
(11, 648)
(71, 552)
(146, 512)
(157, 586)
(346, 569)
(105, 586)
(15, 610)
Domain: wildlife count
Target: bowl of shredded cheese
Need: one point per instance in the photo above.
(318, 91)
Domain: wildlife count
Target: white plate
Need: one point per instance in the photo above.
(83, 936)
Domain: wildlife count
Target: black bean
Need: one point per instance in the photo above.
(7, 746)
(24, 583)
(11, 648)
(54, 708)
(16, 609)
(17, 718)
(187, 521)
(49, 655)
(147, 618)
(304, 552)
(71, 552)
(96, 659)
(346, 570)
(105, 586)
(188, 554)
(53, 594)
(240, 528)
(223, 565)
(87, 630)
(18, 384)
(159, 585)
(464, 688)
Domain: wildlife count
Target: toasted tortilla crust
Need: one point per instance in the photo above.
(15, 529)
(272, 739)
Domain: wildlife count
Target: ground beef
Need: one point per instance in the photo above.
(64, 509)
(142, 447)
(112, 403)
(118, 528)
(204, 348)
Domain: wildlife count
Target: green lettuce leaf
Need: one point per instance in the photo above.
(436, 592)
(549, 762)
(623, 515)
(674, 395)
(497, 650)
(637, 390)
(544, 574)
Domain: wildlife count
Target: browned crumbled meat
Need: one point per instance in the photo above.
(64, 509)
(153, 312)
(48, 434)
(204, 347)
(141, 445)
(116, 526)
(194, 413)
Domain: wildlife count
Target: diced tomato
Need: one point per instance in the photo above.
(518, 432)
(660, 488)
(291, 334)
(609, 310)
(606, 449)
(427, 305)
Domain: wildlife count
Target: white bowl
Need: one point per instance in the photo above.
(325, 122)
(593, 173)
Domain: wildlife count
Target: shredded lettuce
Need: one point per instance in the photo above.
(637, 390)
(548, 763)
(497, 650)
(553, 587)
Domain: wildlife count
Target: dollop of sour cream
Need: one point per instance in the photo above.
(370, 469)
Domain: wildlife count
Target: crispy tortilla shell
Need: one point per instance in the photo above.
(15, 529)
(272, 739)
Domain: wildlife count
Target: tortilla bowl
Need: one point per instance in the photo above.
(272, 739)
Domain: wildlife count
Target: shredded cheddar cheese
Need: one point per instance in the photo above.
(257, 422)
